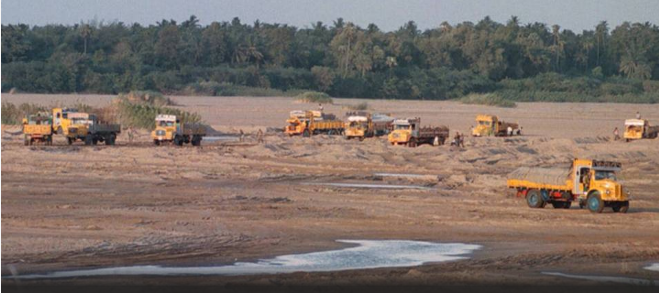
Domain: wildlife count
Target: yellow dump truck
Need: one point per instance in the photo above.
(38, 128)
(308, 123)
(639, 129)
(363, 124)
(409, 132)
(590, 182)
(88, 129)
(487, 125)
(170, 129)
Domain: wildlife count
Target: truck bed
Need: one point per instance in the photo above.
(539, 178)
(328, 124)
(105, 128)
(432, 132)
(193, 129)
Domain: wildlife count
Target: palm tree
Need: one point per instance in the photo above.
(85, 33)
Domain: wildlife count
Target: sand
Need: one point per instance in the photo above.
(83, 207)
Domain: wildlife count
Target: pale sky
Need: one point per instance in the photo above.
(386, 14)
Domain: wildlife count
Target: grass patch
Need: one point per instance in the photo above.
(488, 100)
(314, 97)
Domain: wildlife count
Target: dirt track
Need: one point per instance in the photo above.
(79, 206)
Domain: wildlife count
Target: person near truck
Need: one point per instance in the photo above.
(616, 134)
(509, 131)
(259, 136)
(638, 115)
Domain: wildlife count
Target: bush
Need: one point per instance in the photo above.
(144, 115)
(225, 89)
(489, 100)
(314, 97)
(14, 115)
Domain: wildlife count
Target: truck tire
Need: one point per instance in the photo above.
(156, 142)
(69, 141)
(561, 204)
(534, 199)
(196, 140)
(89, 140)
(49, 140)
(621, 207)
(595, 203)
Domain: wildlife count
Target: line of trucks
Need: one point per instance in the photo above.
(401, 131)
(70, 123)
(85, 127)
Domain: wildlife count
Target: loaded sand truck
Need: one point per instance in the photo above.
(409, 132)
(308, 123)
(639, 129)
(83, 126)
(169, 129)
(592, 183)
(38, 127)
(363, 124)
(487, 125)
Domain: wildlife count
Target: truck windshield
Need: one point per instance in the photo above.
(166, 123)
(486, 123)
(401, 127)
(602, 175)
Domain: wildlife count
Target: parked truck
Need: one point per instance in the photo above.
(170, 129)
(87, 128)
(639, 129)
(308, 123)
(363, 124)
(61, 120)
(38, 128)
(487, 125)
(590, 182)
(409, 132)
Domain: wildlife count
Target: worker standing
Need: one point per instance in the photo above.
(509, 131)
(259, 136)
(320, 107)
(242, 136)
(638, 115)
(616, 134)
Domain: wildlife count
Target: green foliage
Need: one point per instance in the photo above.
(141, 115)
(314, 97)
(488, 100)
(12, 114)
(531, 61)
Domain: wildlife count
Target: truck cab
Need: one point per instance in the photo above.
(359, 125)
(404, 130)
(596, 186)
(166, 128)
(61, 120)
(300, 122)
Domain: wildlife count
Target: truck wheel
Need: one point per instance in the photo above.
(306, 133)
(361, 138)
(156, 142)
(624, 207)
(595, 203)
(95, 141)
(89, 140)
(534, 199)
(49, 140)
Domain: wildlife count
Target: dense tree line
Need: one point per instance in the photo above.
(526, 62)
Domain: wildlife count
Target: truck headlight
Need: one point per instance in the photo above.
(160, 133)
(608, 192)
